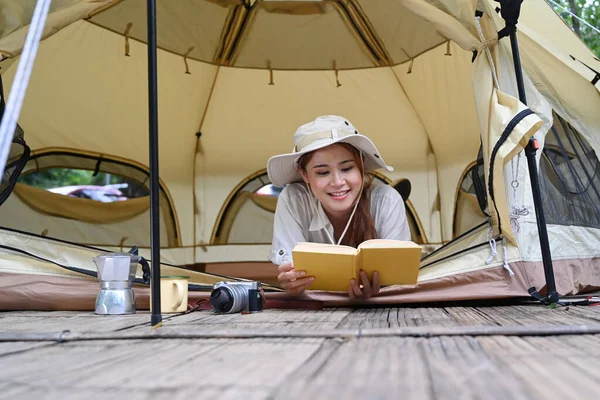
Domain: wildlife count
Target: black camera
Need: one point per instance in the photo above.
(232, 297)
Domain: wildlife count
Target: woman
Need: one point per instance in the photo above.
(334, 201)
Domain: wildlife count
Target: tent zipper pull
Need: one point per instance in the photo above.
(505, 257)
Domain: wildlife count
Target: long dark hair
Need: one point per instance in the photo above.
(362, 226)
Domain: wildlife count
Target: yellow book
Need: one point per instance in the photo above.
(333, 266)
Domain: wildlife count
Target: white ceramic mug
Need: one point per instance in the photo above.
(173, 294)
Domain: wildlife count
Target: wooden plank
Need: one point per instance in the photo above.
(44, 313)
(396, 317)
(422, 316)
(74, 322)
(550, 367)
(269, 315)
(525, 315)
(283, 327)
(327, 319)
(286, 320)
(37, 391)
(407, 368)
(159, 364)
(19, 347)
(469, 316)
(590, 315)
(90, 323)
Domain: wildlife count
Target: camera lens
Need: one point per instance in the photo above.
(228, 299)
(221, 300)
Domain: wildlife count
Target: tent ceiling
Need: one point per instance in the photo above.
(308, 35)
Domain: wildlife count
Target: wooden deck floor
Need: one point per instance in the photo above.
(500, 352)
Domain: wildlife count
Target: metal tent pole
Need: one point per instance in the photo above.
(153, 144)
(510, 10)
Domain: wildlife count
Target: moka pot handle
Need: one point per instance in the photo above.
(145, 270)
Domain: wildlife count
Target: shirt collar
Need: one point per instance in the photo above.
(321, 222)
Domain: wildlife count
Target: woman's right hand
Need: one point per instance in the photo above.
(294, 282)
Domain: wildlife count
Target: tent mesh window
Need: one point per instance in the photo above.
(87, 199)
(17, 158)
(247, 216)
(17, 155)
(569, 177)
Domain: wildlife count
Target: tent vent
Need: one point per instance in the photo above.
(569, 177)
(233, 32)
(357, 20)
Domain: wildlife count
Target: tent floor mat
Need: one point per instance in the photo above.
(495, 351)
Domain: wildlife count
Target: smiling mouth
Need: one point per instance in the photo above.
(339, 194)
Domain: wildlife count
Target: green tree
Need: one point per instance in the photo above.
(588, 11)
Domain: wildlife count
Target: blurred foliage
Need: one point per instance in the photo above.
(589, 11)
(59, 177)
(56, 177)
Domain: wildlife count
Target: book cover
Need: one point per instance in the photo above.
(333, 266)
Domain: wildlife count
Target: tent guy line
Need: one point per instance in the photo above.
(21, 81)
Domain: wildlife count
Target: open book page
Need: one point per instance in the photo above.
(386, 243)
(332, 266)
(324, 248)
(397, 262)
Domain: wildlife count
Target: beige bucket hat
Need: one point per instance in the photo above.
(322, 132)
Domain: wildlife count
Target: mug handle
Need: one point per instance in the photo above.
(179, 295)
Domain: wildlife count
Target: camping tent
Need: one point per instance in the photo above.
(237, 77)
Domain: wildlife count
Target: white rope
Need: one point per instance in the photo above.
(316, 210)
(488, 53)
(492, 243)
(505, 258)
(576, 16)
(314, 204)
(21, 80)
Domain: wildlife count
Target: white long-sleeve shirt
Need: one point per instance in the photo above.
(296, 220)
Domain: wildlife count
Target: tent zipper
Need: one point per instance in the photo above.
(477, 246)
(507, 131)
(455, 240)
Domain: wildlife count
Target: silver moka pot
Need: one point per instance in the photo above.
(116, 273)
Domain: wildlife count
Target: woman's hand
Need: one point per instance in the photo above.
(369, 289)
(294, 282)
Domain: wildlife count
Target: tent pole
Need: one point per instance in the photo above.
(153, 144)
(510, 10)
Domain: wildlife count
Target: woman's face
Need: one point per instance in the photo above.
(335, 178)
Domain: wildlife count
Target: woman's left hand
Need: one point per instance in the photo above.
(369, 289)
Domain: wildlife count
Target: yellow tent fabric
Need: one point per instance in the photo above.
(233, 89)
